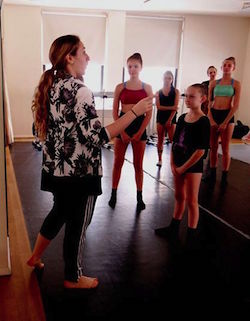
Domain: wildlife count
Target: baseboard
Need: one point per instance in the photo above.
(7, 269)
(23, 139)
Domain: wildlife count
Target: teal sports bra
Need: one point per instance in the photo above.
(223, 90)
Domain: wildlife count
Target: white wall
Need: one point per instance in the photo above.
(244, 110)
(115, 35)
(22, 62)
(207, 41)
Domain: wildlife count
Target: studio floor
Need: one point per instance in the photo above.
(142, 275)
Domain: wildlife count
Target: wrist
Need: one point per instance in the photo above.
(134, 112)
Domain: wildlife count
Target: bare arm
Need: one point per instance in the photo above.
(116, 101)
(172, 165)
(176, 102)
(195, 157)
(147, 118)
(210, 102)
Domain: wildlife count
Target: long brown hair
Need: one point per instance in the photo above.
(59, 49)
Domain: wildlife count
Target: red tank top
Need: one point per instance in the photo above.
(130, 96)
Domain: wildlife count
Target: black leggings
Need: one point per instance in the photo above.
(76, 211)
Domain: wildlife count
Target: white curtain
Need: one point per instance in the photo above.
(156, 39)
(90, 28)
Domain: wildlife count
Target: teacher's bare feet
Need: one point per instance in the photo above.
(84, 282)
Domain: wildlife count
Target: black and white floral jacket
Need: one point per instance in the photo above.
(75, 135)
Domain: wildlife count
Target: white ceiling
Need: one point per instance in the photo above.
(220, 7)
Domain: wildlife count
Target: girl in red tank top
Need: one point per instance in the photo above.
(127, 94)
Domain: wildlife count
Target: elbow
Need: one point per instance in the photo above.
(235, 107)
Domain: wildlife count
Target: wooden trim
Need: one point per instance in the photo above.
(236, 141)
(23, 139)
(20, 297)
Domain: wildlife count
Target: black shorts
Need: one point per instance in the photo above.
(196, 168)
(180, 159)
(134, 127)
(163, 116)
(219, 115)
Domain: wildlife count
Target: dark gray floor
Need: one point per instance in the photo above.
(142, 275)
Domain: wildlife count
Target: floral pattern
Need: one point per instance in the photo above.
(75, 135)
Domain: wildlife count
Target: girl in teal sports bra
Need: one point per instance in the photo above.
(224, 96)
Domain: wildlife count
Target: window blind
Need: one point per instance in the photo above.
(157, 39)
(90, 29)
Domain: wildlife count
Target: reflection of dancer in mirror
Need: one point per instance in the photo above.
(167, 100)
(222, 107)
(211, 72)
(129, 93)
(190, 145)
(66, 120)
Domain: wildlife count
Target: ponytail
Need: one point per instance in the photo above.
(40, 103)
(58, 52)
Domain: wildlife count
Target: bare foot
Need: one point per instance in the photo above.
(35, 262)
(84, 282)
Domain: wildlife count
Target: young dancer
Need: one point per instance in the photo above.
(190, 145)
(167, 100)
(128, 94)
(66, 120)
(222, 106)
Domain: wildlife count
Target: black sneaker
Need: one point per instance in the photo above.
(112, 202)
(140, 206)
(167, 231)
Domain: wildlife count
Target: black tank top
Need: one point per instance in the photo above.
(167, 100)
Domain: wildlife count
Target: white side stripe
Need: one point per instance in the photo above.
(87, 219)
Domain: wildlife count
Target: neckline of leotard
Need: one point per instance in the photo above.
(187, 122)
(171, 90)
(125, 87)
(218, 82)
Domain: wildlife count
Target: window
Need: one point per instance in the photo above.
(93, 77)
(157, 39)
(90, 28)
